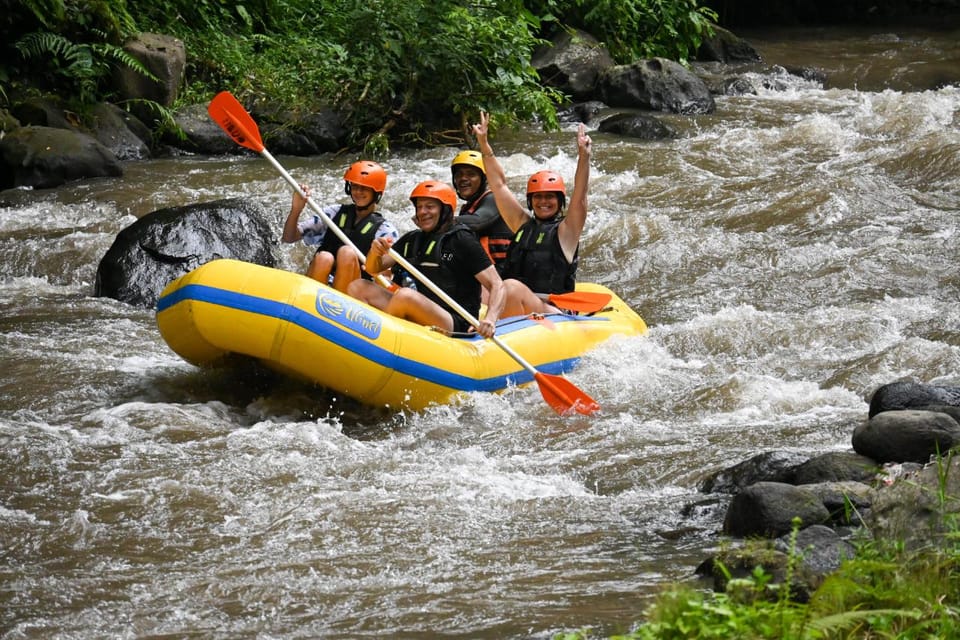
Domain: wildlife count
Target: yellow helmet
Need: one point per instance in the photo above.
(470, 158)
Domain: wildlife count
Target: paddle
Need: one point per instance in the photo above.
(227, 112)
(561, 394)
(579, 301)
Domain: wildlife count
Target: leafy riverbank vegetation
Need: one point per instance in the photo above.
(397, 68)
(886, 591)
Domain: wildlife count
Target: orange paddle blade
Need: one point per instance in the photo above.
(580, 301)
(543, 320)
(227, 112)
(564, 396)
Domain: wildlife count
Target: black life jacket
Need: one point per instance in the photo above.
(425, 252)
(496, 238)
(536, 259)
(361, 235)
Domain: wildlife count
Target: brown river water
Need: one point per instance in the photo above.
(791, 253)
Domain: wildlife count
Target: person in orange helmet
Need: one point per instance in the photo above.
(544, 252)
(448, 254)
(365, 182)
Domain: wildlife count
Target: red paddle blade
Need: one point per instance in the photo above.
(580, 301)
(563, 396)
(227, 112)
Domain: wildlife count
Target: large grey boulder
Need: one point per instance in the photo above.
(725, 46)
(203, 135)
(637, 125)
(165, 244)
(769, 466)
(835, 466)
(768, 509)
(572, 63)
(657, 84)
(912, 395)
(165, 57)
(120, 132)
(910, 435)
(45, 157)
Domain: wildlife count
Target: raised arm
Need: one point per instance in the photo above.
(291, 232)
(572, 225)
(511, 210)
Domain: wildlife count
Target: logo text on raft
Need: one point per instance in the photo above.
(348, 314)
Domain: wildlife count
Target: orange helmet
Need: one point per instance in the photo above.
(546, 181)
(367, 174)
(435, 189)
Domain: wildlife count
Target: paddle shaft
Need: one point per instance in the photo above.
(242, 128)
(313, 205)
(453, 304)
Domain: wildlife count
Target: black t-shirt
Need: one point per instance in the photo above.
(459, 258)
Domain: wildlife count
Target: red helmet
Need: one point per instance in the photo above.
(367, 174)
(546, 181)
(435, 189)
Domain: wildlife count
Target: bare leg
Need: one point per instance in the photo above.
(366, 291)
(405, 303)
(521, 301)
(348, 268)
(320, 266)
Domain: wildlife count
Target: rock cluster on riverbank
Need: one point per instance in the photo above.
(898, 483)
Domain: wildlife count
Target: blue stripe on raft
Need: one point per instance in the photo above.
(364, 348)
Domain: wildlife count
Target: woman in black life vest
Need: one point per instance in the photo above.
(364, 182)
(543, 254)
(448, 255)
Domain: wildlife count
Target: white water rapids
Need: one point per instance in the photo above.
(791, 253)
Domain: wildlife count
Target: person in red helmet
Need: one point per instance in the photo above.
(364, 182)
(447, 254)
(544, 252)
(479, 210)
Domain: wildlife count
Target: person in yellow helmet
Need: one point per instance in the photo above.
(479, 211)
(448, 254)
(544, 253)
(365, 182)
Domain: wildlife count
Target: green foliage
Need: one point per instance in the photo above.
(635, 29)
(391, 67)
(398, 71)
(49, 13)
(81, 67)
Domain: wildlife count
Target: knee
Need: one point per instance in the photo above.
(346, 254)
(321, 260)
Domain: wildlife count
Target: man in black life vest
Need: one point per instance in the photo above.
(479, 211)
(447, 254)
(543, 255)
(364, 182)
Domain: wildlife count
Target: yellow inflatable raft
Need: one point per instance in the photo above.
(297, 326)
